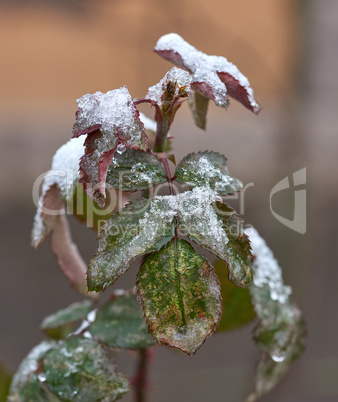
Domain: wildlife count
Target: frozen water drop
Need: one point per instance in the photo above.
(120, 148)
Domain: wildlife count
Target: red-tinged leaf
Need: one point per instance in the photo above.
(212, 76)
(112, 123)
(68, 257)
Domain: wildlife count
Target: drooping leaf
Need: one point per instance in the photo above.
(119, 323)
(207, 169)
(5, 382)
(280, 333)
(212, 76)
(68, 257)
(60, 323)
(237, 307)
(26, 386)
(141, 227)
(111, 122)
(199, 108)
(216, 227)
(135, 170)
(81, 369)
(180, 296)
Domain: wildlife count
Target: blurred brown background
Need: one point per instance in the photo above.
(54, 51)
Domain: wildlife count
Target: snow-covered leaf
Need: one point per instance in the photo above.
(207, 169)
(237, 307)
(216, 226)
(26, 385)
(199, 107)
(212, 76)
(81, 369)
(58, 187)
(141, 227)
(111, 122)
(280, 333)
(64, 318)
(135, 170)
(180, 296)
(119, 323)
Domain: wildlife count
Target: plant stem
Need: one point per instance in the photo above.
(140, 379)
(161, 134)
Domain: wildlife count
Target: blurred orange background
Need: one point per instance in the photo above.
(53, 52)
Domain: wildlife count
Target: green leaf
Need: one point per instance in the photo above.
(280, 333)
(180, 296)
(199, 107)
(5, 381)
(119, 323)
(141, 227)
(207, 169)
(59, 324)
(237, 307)
(135, 170)
(26, 386)
(80, 369)
(219, 229)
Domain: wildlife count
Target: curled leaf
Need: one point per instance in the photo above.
(280, 332)
(214, 77)
(180, 296)
(111, 123)
(207, 169)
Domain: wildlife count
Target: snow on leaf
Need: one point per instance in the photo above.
(149, 124)
(139, 228)
(59, 185)
(212, 76)
(81, 369)
(69, 315)
(237, 307)
(180, 296)
(182, 87)
(111, 122)
(280, 333)
(199, 107)
(207, 169)
(119, 323)
(215, 226)
(135, 170)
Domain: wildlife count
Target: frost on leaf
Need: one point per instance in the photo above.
(237, 307)
(214, 77)
(180, 296)
(280, 333)
(119, 323)
(81, 369)
(59, 186)
(63, 318)
(182, 87)
(26, 385)
(135, 170)
(141, 227)
(111, 122)
(216, 226)
(207, 169)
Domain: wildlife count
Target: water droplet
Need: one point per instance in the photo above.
(278, 358)
(120, 148)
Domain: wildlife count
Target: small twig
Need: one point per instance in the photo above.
(140, 379)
